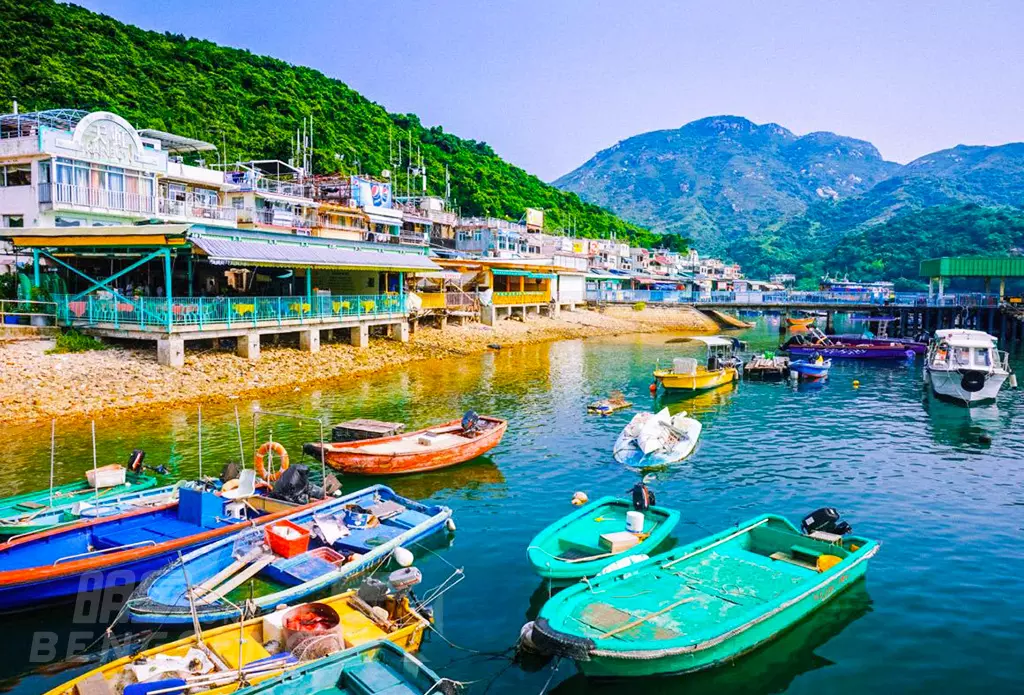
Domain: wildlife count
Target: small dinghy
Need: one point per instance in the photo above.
(290, 559)
(657, 439)
(607, 406)
(436, 447)
(705, 603)
(813, 368)
(377, 668)
(227, 659)
(590, 539)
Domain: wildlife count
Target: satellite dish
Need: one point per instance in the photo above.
(386, 173)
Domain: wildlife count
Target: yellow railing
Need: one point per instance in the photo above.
(506, 298)
(433, 300)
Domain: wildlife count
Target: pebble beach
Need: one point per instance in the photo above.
(35, 385)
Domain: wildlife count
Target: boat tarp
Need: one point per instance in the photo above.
(289, 254)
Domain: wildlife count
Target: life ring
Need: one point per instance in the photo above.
(261, 454)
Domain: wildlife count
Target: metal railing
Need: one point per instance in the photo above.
(217, 313)
(193, 207)
(104, 198)
(274, 218)
(22, 312)
(505, 298)
(783, 299)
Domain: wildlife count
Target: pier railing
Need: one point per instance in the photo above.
(791, 298)
(516, 298)
(218, 313)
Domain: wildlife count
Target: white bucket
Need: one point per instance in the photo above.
(635, 522)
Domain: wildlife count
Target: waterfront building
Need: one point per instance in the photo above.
(273, 196)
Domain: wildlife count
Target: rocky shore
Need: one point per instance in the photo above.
(35, 385)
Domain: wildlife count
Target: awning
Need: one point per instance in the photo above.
(523, 273)
(379, 217)
(224, 251)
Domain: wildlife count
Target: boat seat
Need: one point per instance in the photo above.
(158, 532)
(805, 551)
(95, 684)
(375, 679)
(408, 519)
(358, 629)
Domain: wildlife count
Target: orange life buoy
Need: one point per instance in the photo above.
(258, 462)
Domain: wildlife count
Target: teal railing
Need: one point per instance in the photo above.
(216, 313)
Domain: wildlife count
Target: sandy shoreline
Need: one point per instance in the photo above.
(36, 386)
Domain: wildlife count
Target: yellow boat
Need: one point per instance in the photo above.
(689, 374)
(212, 665)
(800, 322)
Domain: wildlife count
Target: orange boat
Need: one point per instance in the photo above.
(424, 450)
(801, 322)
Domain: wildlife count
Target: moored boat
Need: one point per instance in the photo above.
(577, 545)
(704, 603)
(607, 406)
(376, 668)
(657, 439)
(49, 565)
(231, 657)
(42, 509)
(813, 368)
(428, 449)
(718, 367)
(288, 560)
(965, 366)
(800, 321)
(816, 342)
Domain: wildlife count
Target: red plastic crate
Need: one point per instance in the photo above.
(287, 547)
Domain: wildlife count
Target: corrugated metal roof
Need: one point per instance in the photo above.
(225, 250)
(992, 267)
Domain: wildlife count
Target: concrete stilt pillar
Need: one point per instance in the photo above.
(555, 310)
(413, 324)
(249, 346)
(400, 332)
(170, 351)
(309, 340)
(488, 314)
(359, 336)
(442, 321)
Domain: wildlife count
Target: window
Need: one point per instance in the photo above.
(16, 175)
(14, 221)
(982, 358)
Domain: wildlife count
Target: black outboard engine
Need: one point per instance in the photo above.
(470, 422)
(643, 498)
(293, 485)
(825, 519)
(373, 591)
(135, 460)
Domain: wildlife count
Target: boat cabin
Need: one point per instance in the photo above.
(956, 349)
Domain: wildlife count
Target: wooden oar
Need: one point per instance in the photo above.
(640, 621)
(244, 576)
(227, 572)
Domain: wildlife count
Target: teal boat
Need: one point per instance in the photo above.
(376, 668)
(32, 512)
(571, 548)
(703, 604)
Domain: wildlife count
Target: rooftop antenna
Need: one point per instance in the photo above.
(447, 183)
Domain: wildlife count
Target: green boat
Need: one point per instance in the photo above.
(571, 548)
(376, 668)
(703, 604)
(32, 512)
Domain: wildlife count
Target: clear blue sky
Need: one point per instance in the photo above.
(549, 83)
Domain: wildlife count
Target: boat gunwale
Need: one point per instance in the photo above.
(343, 448)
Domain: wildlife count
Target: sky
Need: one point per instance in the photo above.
(549, 83)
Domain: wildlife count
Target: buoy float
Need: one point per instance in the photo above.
(403, 557)
(450, 524)
(579, 499)
(654, 387)
(856, 384)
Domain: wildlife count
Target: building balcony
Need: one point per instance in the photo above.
(65, 196)
(192, 209)
(276, 219)
(518, 298)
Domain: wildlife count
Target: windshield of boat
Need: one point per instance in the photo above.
(982, 357)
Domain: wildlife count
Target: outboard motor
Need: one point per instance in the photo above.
(373, 591)
(643, 498)
(825, 519)
(470, 422)
(135, 460)
(293, 485)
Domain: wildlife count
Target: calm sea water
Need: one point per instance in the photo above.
(942, 609)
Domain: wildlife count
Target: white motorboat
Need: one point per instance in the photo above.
(657, 439)
(965, 366)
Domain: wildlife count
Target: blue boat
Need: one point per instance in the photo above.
(377, 668)
(119, 550)
(811, 369)
(336, 541)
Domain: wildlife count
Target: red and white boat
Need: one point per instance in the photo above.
(428, 449)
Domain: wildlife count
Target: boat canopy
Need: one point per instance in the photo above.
(961, 337)
(713, 341)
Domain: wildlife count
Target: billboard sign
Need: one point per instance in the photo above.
(372, 194)
(534, 218)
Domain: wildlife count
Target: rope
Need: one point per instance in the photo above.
(554, 670)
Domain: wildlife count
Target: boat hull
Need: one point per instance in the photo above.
(800, 323)
(696, 382)
(607, 666)
(809, 370)
(852, 352)
(947, 384)
(354, 459)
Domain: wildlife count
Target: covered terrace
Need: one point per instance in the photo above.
(173, 283)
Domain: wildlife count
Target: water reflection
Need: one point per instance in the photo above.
(770, 669)
(952, 424)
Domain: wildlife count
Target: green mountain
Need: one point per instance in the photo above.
(776, 202)
(54, 55)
